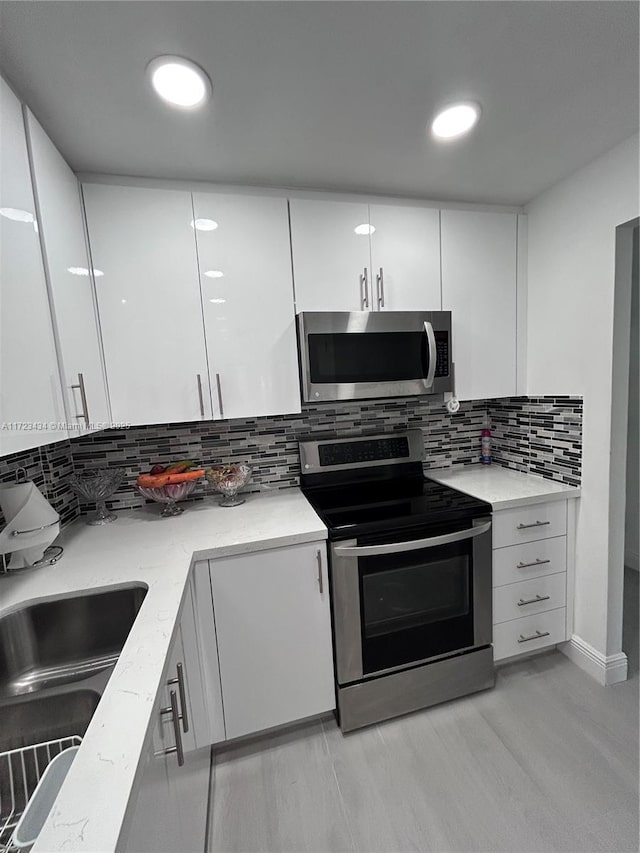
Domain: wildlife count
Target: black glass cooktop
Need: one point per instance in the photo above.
(361, 508)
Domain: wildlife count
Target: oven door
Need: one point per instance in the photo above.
(365, 354)
(399, 600)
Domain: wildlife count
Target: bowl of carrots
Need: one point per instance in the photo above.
(169, 484)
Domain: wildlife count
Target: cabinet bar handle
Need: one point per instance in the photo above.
(319, 561)
(536, 562)
(83, 396)
(364, 288)
(200, 397)
(380, 287)
(175, 719)
(535, 600)
(536, 636)
(219, 387)
(183, 695)
(535, 524)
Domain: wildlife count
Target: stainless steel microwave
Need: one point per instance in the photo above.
(350, 355)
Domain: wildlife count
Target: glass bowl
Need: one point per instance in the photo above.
(169, 495)
(98, 484)
(228, 480)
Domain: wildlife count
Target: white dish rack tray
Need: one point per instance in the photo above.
(20, 772)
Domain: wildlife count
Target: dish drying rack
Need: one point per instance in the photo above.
(20, 772)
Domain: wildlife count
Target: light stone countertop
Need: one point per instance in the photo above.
(141, 547)
(502, 487)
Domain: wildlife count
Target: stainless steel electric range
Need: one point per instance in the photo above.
(410, 576)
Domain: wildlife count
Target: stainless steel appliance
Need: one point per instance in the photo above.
(348, 355)
(410, 575)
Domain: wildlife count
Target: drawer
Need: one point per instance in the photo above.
(529, 560)
(528, 597)
(528, 523)
(521, 635)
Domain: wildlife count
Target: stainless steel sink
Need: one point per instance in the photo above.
(39, 719)
(66, 640)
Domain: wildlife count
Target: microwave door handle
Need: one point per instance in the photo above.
(431, 371)
(414, 545)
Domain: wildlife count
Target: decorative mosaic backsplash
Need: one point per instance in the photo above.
(270, 444)
(541, 435)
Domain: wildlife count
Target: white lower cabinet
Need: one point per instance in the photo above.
(530, 578)
(529, 633)
(168, 811)
(273, 629)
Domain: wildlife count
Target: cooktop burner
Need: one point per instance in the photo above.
(359, 508)
(371, 484)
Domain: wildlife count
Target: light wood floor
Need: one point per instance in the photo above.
(547, 761)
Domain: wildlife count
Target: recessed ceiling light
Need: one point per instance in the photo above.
(218, 301)
(179, 81)
(204, 224)
(455, 120)
(364, 229)
(84, 271)
(214, 274)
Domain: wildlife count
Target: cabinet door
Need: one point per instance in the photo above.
(211, 728)
(247, 294)
(189, 782)
(152, 823)
(143, 242)
(331, 257)
(479, 288)
(405, 258)
(274, 637)
(70, 283)
(30, 389)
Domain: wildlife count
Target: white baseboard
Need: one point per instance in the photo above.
(632, 559)
(605, 669)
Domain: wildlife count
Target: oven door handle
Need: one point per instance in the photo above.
(433, 355)
(414, 545)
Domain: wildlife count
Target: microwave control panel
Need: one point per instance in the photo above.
(442, 353)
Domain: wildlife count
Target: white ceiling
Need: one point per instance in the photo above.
(333, 95)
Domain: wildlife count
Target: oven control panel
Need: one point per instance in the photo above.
(369, 450)
(346, 454)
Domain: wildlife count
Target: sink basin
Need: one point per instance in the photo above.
(38, 719)
(66, 640)
(33, 730)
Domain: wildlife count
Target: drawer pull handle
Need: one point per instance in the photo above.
(535, 600)
(535, 636)
(535, 524)
(536, 562)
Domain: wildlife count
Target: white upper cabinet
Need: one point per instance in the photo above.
(331, 255)
(30, 389)
(405, 258)
(247, 296)
(70, 283)
(479, 288)
(143, 241)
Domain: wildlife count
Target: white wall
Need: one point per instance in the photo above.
(631, 546)
(572, 242)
